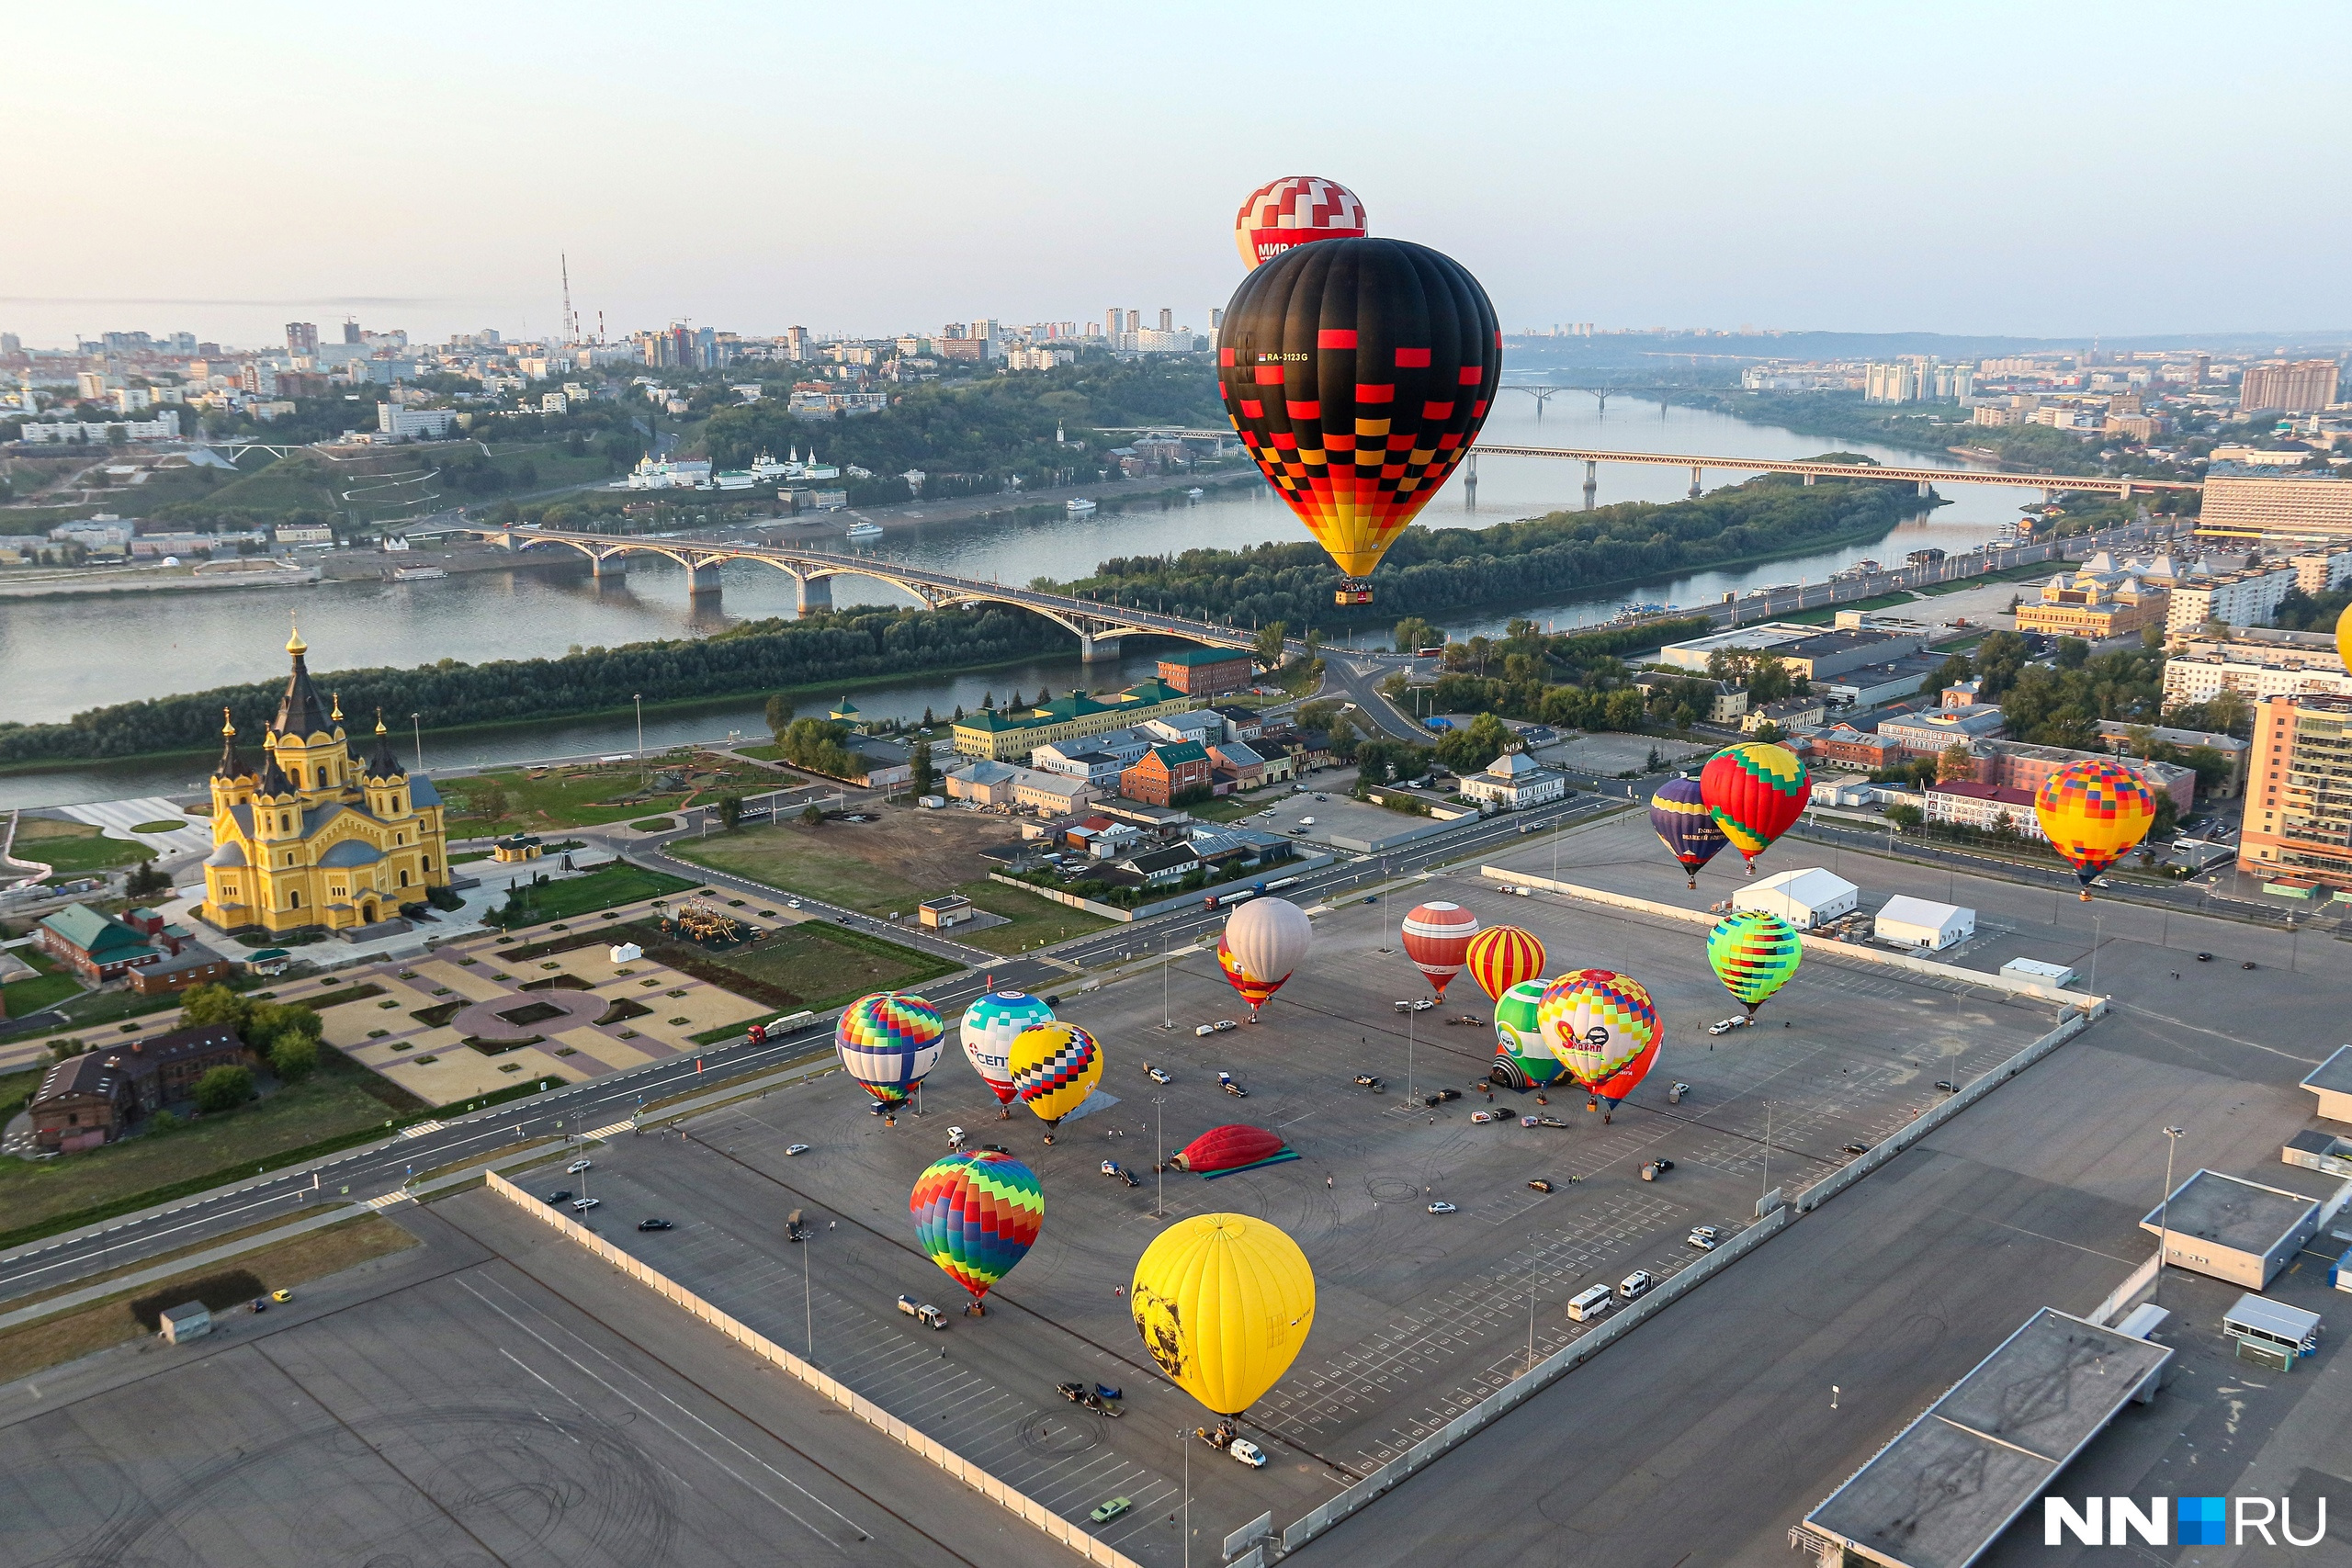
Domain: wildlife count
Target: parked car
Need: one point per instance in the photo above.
(281, 1295)
(576, 1167)
(1420, 1005)
(655, 1225)
(1441, 1207)
(1947, 1085)
(930, 1316)
(1856, 1148)
(1112, 1167)
(2204, 958)
(1703, 1243)
(1675, 1092)
(1368, 1081)
(1468, 1018)
(582, 1205)
(259, 1304)
(1158, 1075)
(795, 1148)
(560, 1195)
(1544, 1121)
(1483, 1117)
(1111, 1511)
(2249, 963)
(1225, 1081)
(1247, 1452)
(1636, 1283)
(1221, 1026)
(1726, 1025)
(1541, 1184)
(1440, 1095)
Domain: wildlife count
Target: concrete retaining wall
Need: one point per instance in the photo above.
(1858, 951)
(1029, 1512)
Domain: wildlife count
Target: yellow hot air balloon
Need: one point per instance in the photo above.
(2343, 636)
(1054, 1068)
(1223, 1302)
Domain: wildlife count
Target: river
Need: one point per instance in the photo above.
(59, 656)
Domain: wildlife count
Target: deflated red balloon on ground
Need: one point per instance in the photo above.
(1221, 1151)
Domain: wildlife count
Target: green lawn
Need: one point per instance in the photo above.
(579, 798)
(74, 848)
(825, 967)
(30, 995)
(15, 1088)
(600, 889)
(1035, 922)
(228, 1146)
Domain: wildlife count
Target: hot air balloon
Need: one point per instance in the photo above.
(1223, 1302)
(1611, 1091)
(2344, 636)
(1054, 1067)
(1600, 1024)
(1753, 953)
(1358, 373)
(1292, 211)
(2093, 812)
(1521, 1059)
(1755, 791)
(990, 1027)
(1264, 940)
(1437, 939)
(889, 1042)
(975, 1216)
(1221, 1151)
(1501, 956)
(1679, 811)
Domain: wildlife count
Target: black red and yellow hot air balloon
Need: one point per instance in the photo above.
(1358, 373)
(1755, 791)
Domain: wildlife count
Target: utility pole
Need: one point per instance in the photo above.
(2164, 1210)
(1159, 1160)
(638, 698)
(416, 729)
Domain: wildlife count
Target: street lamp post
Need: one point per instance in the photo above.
(1167, 1021)
(2164, 1210)
(638, 698)
(1158, 1161)
(416, 729)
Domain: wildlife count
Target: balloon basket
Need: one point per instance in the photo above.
(1353, 590)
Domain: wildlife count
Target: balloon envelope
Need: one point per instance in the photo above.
(1753, 953)
(1294, 211)
(1501, 956)
(1221, 1151)
(1684, 825)
(2344, 636)
(889, 1042)
(1265, 940)
(1613, 1088)
(990, 1027)
(2093, 812)
(1521, 1059)
(1756, 792)
(1437, 939)
(1596, 1021)
(1223, 1302)
(1358, 373)
(1054, 1067)
(976, 1215)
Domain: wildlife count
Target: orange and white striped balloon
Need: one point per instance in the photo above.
(1437, 939)
(1502, 957)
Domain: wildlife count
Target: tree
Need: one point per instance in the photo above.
(294, 1059)
(1955, 762)
(731, 812)
(2073, 653)
(488, 800)
(1766, 731)
(1268, 649)
(1906, 816)
(145, 880)
(813, 814)
(2000, 658)
(201, 1007)
(224, 1089)
(926, 775)
(1469, 749)
(1314, 641)
(779, 715)
(1413, 632)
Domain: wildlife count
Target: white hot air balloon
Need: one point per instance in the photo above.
(1264, 941)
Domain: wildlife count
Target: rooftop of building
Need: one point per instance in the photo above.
(2230, 1211)
(1976, 719)
(2116, 730)
(2335, 1074)
(1076, 705)
(1194, 658)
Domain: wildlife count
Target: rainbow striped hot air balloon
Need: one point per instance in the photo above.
(1754, 953)
(1679, 814)
(1754, 792)
(2093, 812)
(1521, 1059)
(889, 1042)
(976, 1215)
(1501, 956)
(1604, 1028)
(1054, 1067)
(1437, 939)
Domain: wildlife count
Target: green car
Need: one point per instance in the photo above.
(1111, 1511)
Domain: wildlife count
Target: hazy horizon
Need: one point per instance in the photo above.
(2021, 171)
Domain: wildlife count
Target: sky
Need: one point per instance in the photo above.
(2029, 169)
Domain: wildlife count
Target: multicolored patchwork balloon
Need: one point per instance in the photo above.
(1055, 1067)
(1521, 1059)
(2093, 812)
(1678, 813)
(889, 1042)
(1501, 956)
(1611, 1091)
(976, 1215)
(990, 1025)
(1754, 792)
(1437, 939)
(1597, 1021)
(1754, 953)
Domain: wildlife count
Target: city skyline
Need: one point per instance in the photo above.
(1785, 173)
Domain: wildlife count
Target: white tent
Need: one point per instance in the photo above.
(1805, 897)
(1920, 922)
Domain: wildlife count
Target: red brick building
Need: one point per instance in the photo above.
(1208, 671)
(1166, 771)
(92, 1099)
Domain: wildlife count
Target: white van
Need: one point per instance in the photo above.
(1636, 1283)
(1586, 1305)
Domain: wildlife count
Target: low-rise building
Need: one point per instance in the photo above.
(2125, 740)
(1805, 897)
(1843, 746)
(1157, 868)
(193, 965)
(1239, 765)
(983, 783)
(1515, 781)
(2017, 765)
(2256, 663)
(2230, 1228)
(1202, 725)
(2098, 601)
(1010, 731)
(1054, 794)
(1166, 773)
(2247, 596)
(1922, 923)
(1788, 715)
(1208, 671)
(1241, 724)
(94, 1097)
(99, 948)
(1989, 808)
(938, 914)
(1930, 733)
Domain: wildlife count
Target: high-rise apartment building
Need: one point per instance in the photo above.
(2299, 792)
(351, 331)
(2239, 504)
(796, 343)
(302, 337)
(1167, 320)
(1114, 322)
(2297, 387)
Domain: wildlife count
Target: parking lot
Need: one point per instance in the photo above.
(1419, 1314)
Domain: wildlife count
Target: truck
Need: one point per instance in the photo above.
(930, 1316)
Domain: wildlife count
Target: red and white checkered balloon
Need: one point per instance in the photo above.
(1293, 211)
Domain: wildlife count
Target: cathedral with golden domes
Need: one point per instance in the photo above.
(311, 840)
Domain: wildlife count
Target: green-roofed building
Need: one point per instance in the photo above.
(845, 712)
(1009, 734)
(1208, 671)
(96, 947)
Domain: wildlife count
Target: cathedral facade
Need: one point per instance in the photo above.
(309, 839)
